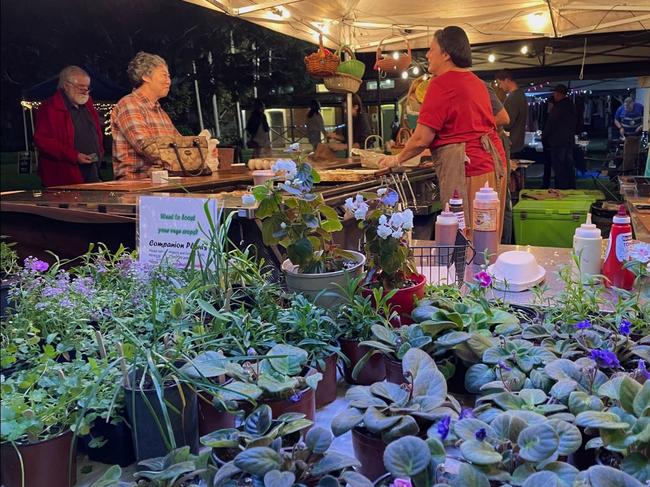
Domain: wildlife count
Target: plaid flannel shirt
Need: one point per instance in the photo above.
(134, 119)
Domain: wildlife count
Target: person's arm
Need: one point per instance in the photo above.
(134, 128)
(420, 140)
(617, 120)
(502, 119)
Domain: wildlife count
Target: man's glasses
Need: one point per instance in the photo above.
(79, 88)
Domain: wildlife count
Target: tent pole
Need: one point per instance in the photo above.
(25, 130)
(349, 123)
(198, 98)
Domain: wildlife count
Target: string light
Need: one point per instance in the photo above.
(492, 58)
(396, 55)
(536, 21)
(524, 49)
(416, 71)
(104, 108)
(404, 75)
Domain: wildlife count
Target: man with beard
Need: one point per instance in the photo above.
(68, 134)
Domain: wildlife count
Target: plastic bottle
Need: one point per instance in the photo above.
(446, 230)
(617, 251)
(485, 225)
(456, 207)
(587, 245)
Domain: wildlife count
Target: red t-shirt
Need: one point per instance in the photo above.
(457, 106)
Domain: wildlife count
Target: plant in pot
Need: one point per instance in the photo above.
(310, 327)
(8, 270)
(392, 344)
(623, 428)
(355, 318)
(383, 412)
(281, 378)
(390, 263)
(304, 463)
(297, 218)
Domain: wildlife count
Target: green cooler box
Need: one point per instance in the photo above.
(551, 221)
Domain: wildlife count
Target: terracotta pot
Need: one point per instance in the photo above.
(394, 372)
(369, 450)
(326, 390)
(304, 403)
(374, 370)
(211, 418)
(403, 301)
(45, 463)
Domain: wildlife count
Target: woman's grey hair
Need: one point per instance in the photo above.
(70, 72)
(142, 65)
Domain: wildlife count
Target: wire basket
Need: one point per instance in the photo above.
(443, 265)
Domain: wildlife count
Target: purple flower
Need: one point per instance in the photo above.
(402, 483)
(83, 285)
(624, 327)
(296, 397)
(390, 198)
(504, 366)
(480, 434)
(484, 279)
(466, 413)
(605, 358)
(66, 303)
(36, 265)
(643, 369)
(583, 325)
(443, 427)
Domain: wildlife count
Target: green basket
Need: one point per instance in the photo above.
(351, 66)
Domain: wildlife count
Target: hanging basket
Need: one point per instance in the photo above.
(352, 66)
(342, 83)
(416, 93)
(388, 64)
(321, 63)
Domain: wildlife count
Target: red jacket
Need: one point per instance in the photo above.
(54, 138)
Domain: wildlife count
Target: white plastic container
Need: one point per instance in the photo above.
(587, 245)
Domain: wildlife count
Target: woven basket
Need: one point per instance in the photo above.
(402, 137)
(386, 62)
(415, 95)
(342, 83)
(352, 66)
(321, 63)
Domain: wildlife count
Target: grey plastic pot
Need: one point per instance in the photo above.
(324, 285)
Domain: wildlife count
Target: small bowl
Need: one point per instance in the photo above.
(260, 177)
(516, 271)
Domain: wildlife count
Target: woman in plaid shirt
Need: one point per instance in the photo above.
(138, 116)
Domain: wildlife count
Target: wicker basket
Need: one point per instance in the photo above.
(321, 63)
(386, 62)
(352, 66)
(402, 137)
(342, 83)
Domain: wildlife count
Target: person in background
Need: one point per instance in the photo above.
(457, 124)
(259, 131)
(559, 137)
(629, 121)
(361, 128)
(138, 117)
(517, 108)
(68, 134)
(315, 124)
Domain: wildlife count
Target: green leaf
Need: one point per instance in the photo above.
(477, 376)
(543, 479)
(259, 421)
(393, 393)
(407, 457)
(318, 440)
(258, 460)
(580, 402)
(416, 360)
(355, 479)
(224, 438)
(566, 472)
(275, 478)
(110, 478)
(406, 426)
(240, 391)
(437, 450)
(361, 397)
(641, 403)
(328, 481)
(507, 401)
(480, 452)
(431, 383)
(224, 474)
(208, 364)
(376, 421)
(637, 465)
(532, 396)
(346, 420)
(466, 428)
(569, 435)
(600, 419)
(611, 388)
(601, 476)
(627, 392)
(508, 426)
(453, 338)
(469, 475)
(538, 442)
(300, 252)
(290, 365)
(333, 462)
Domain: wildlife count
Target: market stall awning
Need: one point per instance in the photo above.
(364, 23)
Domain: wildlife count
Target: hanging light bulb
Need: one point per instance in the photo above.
(404, 75)
(524, 49)
(396, 55)
(492, 58)
(537, 21)
(416, 71)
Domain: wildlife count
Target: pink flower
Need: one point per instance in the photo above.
(484, 279)
(402, 483)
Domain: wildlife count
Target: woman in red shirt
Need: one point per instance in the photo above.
(457, 124)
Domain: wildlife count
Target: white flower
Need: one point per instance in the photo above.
(396, 220)
(361, 211)
(358, 199)
(383, 220)
(382, 191)
(640, 252)
(248, 199)
(349, 205)
(384, 231)
(283, 225)
(287, 166)
(407, 216)
(398, 233)
(293, 147)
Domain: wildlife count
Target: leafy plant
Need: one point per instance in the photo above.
(413, 458)
(391, 411)
(8, 258)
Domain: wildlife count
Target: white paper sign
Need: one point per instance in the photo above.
(169, 227)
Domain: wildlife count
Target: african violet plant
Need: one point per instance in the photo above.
(391, 411)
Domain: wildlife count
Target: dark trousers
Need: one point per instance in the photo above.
(546, 181)
(563, 167)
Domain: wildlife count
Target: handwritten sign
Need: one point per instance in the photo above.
(170, 227)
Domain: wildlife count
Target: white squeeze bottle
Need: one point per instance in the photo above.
(587, 245)
(485, 225)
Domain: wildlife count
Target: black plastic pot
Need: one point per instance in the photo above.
(118, 449)
(527, 314)
(148, 424)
